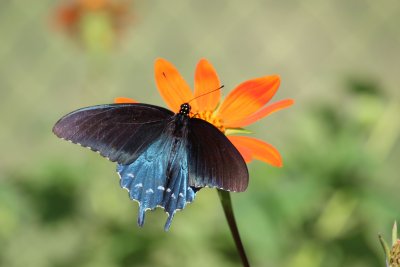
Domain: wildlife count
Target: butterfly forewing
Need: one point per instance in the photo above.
(120, 132)
(213, 159)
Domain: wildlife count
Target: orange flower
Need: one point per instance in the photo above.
(243, 106)
(70, 14)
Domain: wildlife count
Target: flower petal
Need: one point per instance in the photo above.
(123, 100)
(172, 87)
(259, 149)
(261, 113)
(248, 98)
(244, 151)
(205, 81)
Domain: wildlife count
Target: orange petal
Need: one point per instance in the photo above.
(248, 98)
(244, 151)
(205, 81)
(123, 100)
(172, 87)
(260, 114)
(259, 149)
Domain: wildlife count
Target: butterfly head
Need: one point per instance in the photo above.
(185, 109)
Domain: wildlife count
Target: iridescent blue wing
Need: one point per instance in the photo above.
(213, 159)
(119, 132)
(159, 176)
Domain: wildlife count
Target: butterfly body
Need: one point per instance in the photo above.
(163, 158)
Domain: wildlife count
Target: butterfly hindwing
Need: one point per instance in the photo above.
(119, 132)
(159, 176)
(213, 159)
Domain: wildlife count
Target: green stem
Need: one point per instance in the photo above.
(226, 202)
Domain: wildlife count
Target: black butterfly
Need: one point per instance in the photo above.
(163, 158)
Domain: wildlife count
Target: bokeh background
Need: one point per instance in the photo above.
(61, 205)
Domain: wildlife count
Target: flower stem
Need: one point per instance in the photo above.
(226, 202)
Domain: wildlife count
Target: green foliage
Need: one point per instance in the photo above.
(323, 207)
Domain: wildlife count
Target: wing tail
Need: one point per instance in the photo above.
(150, 182)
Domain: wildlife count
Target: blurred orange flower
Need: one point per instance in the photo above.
(70, 15)
(243, 106)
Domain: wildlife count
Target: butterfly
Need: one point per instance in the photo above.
(162, 158)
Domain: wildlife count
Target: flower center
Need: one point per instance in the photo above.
(209, 117)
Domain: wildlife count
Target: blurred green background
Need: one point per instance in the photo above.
(61, 205)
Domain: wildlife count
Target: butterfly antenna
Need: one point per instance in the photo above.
(212, 91)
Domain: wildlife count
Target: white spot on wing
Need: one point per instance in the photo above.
(161, 188)
(168, 189)
(139, 185)
(180, 194)
(149, 191)
(131, 175)
(173, 196)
